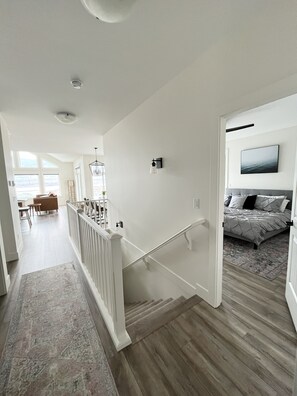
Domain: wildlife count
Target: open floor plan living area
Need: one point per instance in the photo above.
(148, 200)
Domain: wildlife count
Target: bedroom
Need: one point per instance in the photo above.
(262, 217)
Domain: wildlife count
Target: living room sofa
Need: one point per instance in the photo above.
(47, 203)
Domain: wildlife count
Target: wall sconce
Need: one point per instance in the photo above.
(156, 164)
(120, 224)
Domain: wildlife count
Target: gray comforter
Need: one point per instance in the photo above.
(254, 224)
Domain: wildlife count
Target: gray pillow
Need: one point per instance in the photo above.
(269, 203)
(227, 199)
(237, 201)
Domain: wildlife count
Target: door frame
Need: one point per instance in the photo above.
(78, 183)
(278, 90)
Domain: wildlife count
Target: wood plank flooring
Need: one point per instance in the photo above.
(245, 347)
(46, 244)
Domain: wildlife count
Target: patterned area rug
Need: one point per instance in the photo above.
(268, 261)
(52, 346)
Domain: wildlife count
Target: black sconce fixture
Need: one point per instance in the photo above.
(119, 224)
(156, 164)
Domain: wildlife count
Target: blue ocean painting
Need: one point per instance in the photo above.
(260, 160)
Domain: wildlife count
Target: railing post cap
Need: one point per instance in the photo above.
(114, 235)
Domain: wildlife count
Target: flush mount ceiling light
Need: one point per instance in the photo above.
(66, 118)
(111, 11)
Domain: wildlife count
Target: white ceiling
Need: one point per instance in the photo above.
(45, 43)
(273, 116)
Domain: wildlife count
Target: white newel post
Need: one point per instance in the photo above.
(119, 313)
(68, 217)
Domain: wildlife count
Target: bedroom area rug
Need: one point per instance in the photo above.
(52, 347)
(268, 261)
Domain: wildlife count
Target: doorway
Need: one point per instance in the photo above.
(272, 128)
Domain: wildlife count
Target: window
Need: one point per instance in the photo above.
(27, 160)
(27, 186)
(48, 164)
(51, 184)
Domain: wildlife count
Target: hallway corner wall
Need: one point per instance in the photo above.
(9, 214)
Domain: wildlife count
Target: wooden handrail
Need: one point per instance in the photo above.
(175, 236)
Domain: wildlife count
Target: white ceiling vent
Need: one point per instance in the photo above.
(65, 117)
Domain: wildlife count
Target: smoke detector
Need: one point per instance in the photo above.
(66, 118)
(77, 84)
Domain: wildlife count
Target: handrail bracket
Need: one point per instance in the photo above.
(188, 239)
(147, 264)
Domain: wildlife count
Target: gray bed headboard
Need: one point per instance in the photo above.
(250, 191)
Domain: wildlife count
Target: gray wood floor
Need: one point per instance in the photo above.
(245, 347)
(46, 244)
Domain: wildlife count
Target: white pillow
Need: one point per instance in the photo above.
(237, 201)
(269, 203)
(284, 205)
(272, 196)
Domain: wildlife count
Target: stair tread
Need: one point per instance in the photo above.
(147, 311)
(130, 315)
(162, 308)
(130, 307)
(150, 323)
(139, 308)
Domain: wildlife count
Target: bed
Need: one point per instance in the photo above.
(255, 225)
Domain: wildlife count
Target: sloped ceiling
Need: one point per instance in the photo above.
(46, 43)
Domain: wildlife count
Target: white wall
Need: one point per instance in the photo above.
(283, 180)
(180, 122)
(66, 173)
(9, 214)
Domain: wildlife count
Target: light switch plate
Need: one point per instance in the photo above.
(196, 203)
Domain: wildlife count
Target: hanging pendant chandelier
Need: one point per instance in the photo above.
(96, 166)
(111, 11)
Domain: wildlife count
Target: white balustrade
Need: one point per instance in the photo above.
(96, 209)
(100, 256)
(73, 226)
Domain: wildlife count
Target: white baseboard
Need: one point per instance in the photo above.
(120, 341)
(7, 282)
(4, 286)
(202, 292)
(20, 247)
(11, 256)
(187, 289)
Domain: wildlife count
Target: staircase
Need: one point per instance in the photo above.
(143, 318)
